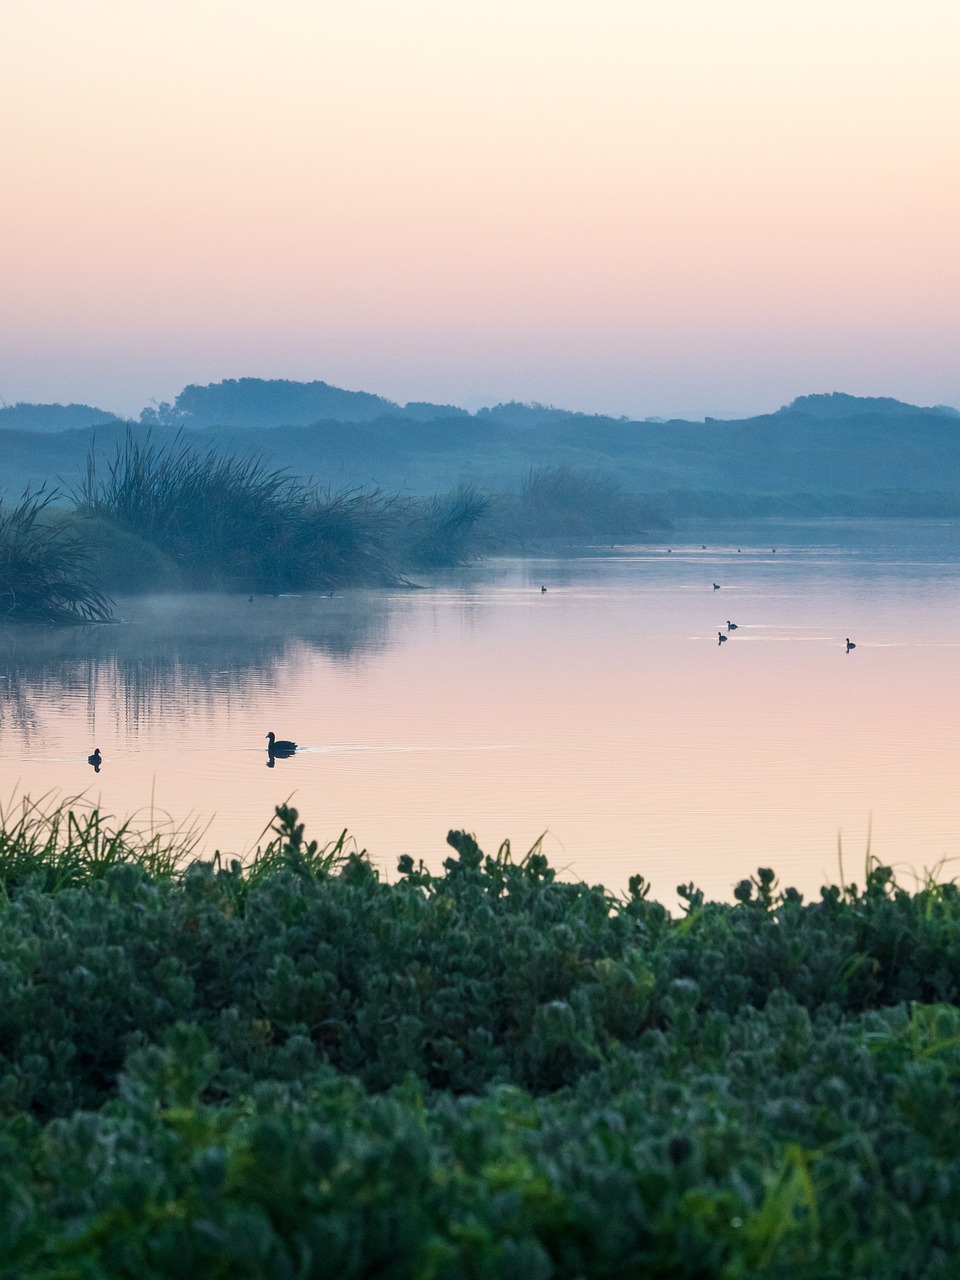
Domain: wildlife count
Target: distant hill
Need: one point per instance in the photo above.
(837, 404)
(259, 402)
(830, 453)
(52, 417)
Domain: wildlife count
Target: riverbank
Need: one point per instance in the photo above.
(298, 1068)
(173, 519)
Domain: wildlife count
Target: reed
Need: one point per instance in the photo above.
(214, 516)
(348, 537)
(44, 566)
(447, 529)
(234, 522)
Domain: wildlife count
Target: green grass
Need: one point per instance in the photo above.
(221, 520)
(53, 843)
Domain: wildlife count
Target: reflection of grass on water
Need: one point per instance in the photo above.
(207, 1069)
(198, 648)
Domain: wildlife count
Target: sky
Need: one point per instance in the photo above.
(641, 207)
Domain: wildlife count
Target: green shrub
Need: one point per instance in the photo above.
(298, 1069)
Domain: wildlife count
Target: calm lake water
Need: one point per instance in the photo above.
(602, 714)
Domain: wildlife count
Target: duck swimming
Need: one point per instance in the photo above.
(96, 759)
(732, 626)
(280, 746)
(721, 638)
(850, 644)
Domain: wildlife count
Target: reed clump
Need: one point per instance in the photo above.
(447, 529)
(44, 573)
(298, 1068)
(236, 523)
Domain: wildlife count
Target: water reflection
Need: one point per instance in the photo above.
(606, 711)
(166, 650)
(279, 749)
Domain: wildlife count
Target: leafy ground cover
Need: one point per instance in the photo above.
(299, 1069)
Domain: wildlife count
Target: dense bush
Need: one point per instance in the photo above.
(299, 1069)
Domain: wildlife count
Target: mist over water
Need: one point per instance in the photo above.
(603, 712)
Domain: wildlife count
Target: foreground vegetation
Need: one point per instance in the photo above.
(297, 1069)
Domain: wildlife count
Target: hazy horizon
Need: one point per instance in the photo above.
(641, 207)
(133, 413)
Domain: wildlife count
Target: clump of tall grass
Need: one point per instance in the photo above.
(53, 844)
(234, 522)
(349, 537)
(44, 566)
(446, 529)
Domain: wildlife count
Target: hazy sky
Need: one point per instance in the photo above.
(634, 206)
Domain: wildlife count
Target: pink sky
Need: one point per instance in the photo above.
(632, 206)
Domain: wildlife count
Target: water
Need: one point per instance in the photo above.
(602, 714)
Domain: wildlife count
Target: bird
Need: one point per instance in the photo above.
(850, 644)
(716, 586)
(280, 746)
(96, 759)
(543, 591)
(703, 546)
(732, 626)
(721, 638)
